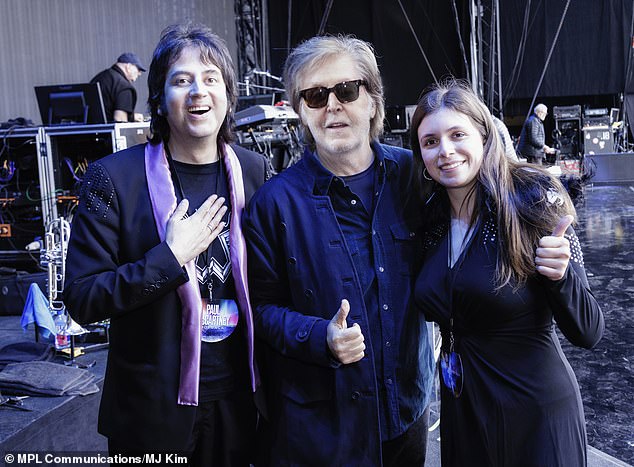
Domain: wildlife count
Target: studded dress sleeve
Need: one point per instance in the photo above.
(575, 308)
(116, 262)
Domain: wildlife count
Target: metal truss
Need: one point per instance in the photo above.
(486, 77)
(253, 43)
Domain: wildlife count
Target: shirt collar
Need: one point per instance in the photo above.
(324, 177)
(120, 71)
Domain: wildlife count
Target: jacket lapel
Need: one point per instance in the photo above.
(163, 198)
(237, 248)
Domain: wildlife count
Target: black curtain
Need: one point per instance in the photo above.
(628, 92)
(383, 23)
(590, 57)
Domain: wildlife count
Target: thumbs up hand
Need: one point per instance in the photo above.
(345, 343)
(553, 252)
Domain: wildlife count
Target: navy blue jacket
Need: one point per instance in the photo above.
(321, 412)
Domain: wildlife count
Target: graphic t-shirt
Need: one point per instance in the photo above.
(223, 351)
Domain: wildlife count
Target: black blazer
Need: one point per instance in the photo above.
(117, 268)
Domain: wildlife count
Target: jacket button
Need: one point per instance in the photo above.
(356, 395)
(292, 260)
(308, 293)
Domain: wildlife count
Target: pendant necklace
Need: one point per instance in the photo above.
(207, 255)
(450, 361)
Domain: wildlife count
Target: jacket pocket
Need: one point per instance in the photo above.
(308, 417)
(304, 384)
(407, 248)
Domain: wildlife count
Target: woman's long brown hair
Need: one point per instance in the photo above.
(525, 200)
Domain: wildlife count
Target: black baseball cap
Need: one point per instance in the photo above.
(130, 57)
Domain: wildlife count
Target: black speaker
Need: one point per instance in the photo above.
(566, 137)
(14, 287)
(598, 141)
(396, 119)
(611, 169)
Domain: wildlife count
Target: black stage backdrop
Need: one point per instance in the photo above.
(591, 53)
(590, 57)
(405, 72)
(629, 79)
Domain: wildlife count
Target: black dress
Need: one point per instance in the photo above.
(520, 404)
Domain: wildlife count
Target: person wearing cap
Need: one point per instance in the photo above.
(119, 95)
(532, 144)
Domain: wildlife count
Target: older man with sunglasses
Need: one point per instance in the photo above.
(332, 245)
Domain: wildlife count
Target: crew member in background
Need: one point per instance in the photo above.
(532, 143)
(119, 95)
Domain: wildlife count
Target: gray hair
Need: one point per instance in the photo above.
(540, 108)
(319, 49)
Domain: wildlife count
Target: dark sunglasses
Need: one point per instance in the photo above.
(346, 91)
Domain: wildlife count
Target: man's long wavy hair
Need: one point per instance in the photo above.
(213, 50)
(526, 202)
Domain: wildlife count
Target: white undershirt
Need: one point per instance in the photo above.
(458, 241)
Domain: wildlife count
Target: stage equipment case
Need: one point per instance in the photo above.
(20, 196)
(65, 154)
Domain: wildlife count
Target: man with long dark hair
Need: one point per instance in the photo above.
(156, 247)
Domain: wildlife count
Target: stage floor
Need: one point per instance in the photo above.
(606, 373)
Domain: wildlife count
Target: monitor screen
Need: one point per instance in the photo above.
(70, 104)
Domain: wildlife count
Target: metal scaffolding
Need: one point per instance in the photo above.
(486, 76)
(253, 44)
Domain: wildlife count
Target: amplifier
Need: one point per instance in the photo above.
(595, 112)
(598, 141)
(14, 288)
(572, 111)
(398, 118)
(602, 121)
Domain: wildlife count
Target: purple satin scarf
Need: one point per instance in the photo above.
(163, 198)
